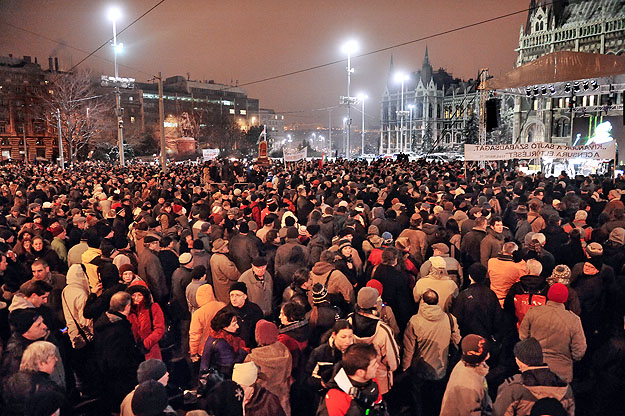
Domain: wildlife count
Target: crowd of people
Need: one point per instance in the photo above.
(345, 288)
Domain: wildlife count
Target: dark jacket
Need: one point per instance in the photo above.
(478, 311)
(328, 227)
(470, 246)
(242, 251)
(248, 315)
(396, 293)
(320, 365)
(220, 355)
(20, 387)
(555, 236)
(490, 246)
(117, 355)
(594, 292)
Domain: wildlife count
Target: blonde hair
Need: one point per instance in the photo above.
(36, 353)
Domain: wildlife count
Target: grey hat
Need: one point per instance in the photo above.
(367, 298)
(151, 369)
(529, 352)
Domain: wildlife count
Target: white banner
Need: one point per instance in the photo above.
(295, 156)
(537, 150)
(209, 154)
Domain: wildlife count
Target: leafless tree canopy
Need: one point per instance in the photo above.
(85, 115)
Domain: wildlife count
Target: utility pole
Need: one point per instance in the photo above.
(58, 120)
(161, 120)
(25, 149)
(330, 130)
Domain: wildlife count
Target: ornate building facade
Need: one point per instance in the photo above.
(590, 26)
(443, 113)
(438, 110)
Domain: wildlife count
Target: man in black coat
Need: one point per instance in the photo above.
(248, 312)
(116, 351)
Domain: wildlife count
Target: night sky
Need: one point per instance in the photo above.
(249, 40)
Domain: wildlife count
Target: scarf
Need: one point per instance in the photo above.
(234, 341)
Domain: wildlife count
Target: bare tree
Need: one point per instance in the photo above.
(84, 114)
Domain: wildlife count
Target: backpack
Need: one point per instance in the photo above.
(582, 230)
(523, 302)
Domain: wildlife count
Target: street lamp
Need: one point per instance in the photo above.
(362, 97)
(349, 47)
(410, 107)
(401, 77)
(114, 14)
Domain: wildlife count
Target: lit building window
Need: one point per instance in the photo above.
(131, 98)
(132, 119)
(243, 112)
(232, 111)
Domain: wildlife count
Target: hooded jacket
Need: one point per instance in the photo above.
(426, 342)
(446, 289)
(199, 329)
(151, 271)
(517, 395)
(334, 280)
(369, 329)
(275, 364)
(74, 298)
(148, 328)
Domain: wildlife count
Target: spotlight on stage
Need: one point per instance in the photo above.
(552, 90)
(576, 86)
(567, 87)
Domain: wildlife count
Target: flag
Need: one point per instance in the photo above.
(262, 133)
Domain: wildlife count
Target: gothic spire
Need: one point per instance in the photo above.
(426, 60)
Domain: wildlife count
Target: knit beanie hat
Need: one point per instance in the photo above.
(561, 274)
(367, 298)
(240, 286)
(344, 243)
(245, 374)
(529, 352)
(150, 399)
(594, 249)
(558, 293)
(319, 293)
(437, 262)
(548, 406)
(617, 235)
(128, 267)
(22, 319)
(373, 229)
(474, 349)
(185, 258)
(266, 333)
(151, 369)
(387, 237)
(377, 285)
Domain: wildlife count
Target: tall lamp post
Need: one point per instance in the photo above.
(410, 108)
(349, 48)
(114, 14)
(362, 97)
(401, 77)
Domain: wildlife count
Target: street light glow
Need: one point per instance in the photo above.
(362, 96)
(114, 14)
(400, 77)
(411, 106)
(350, 47)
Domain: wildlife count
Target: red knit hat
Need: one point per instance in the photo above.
(377, 285)
(558, 293)
(266, 332)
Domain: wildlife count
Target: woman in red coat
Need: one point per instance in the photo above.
(147, 320)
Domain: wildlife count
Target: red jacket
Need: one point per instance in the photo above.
(149, 331)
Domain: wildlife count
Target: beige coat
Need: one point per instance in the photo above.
(559, 333)
(225, 273)
(338, 282)
(274, 373)
(426, 341)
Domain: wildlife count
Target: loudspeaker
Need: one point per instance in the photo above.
(492, 114)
